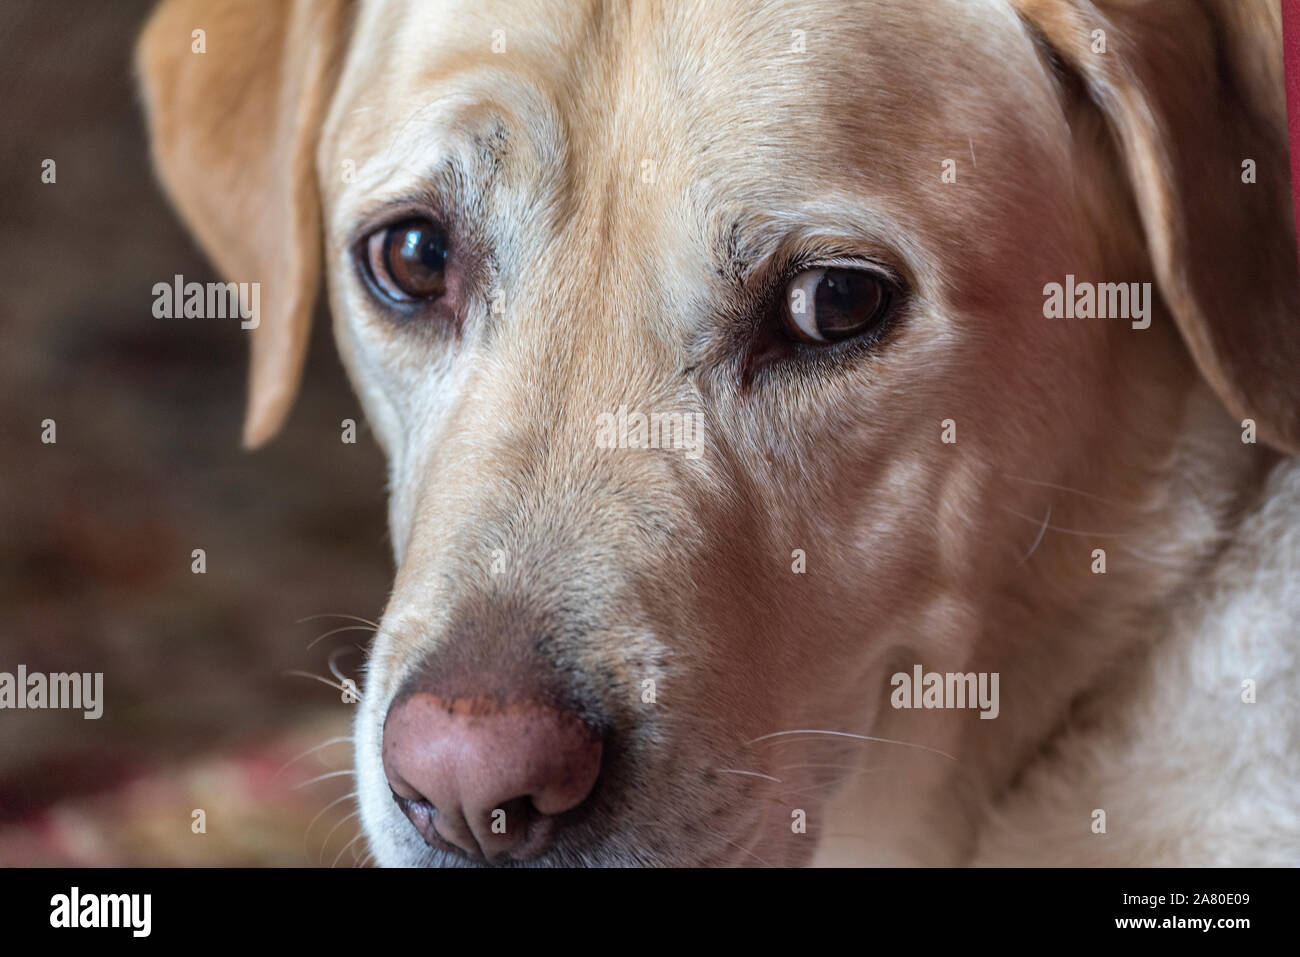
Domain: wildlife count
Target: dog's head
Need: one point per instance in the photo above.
(713, 350)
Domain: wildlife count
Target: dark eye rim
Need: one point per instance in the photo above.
(465, 261)
(361, 260)
(890, 289)
(769, 343)
(768, 350)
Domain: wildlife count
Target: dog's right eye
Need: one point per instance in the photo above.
(408, 261)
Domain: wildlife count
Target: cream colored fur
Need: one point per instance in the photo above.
(777, 131)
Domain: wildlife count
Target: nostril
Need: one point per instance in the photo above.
(521, 829)
(512, 815)
(516, 824)
(420, 813)
(444, 831)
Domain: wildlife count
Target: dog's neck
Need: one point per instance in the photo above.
(1067, 647)
(1179, 755)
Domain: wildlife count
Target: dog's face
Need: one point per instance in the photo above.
(808, 243)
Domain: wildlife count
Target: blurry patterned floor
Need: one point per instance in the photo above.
(96, 531)
(260, 807)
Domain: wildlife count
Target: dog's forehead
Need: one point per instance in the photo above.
(723, 78)
(689, 118)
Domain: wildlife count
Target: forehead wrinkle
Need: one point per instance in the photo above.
(458, 180)
(499, 125)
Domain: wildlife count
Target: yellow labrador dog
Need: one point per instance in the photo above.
(819, 432)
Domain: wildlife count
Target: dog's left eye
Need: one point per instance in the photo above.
(408, 261)
(829, 304)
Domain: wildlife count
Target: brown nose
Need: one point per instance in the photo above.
(485, 777)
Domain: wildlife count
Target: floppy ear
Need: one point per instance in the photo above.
(234, 132)
(1190, 92)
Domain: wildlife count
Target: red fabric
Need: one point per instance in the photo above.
(1291, 54)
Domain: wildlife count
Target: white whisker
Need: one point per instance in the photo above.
(859, 737)
(1066, 488)
(321, 813)
(323, 744)
(334, 614)
(334, 668)
(1041, 532)
(340, 630)
(844, 767)
(834, 782)
(752, 774)
(1064, 531)
(325, 681)
(743, 850)
(345, 847)
(325, 843)
(322, 777)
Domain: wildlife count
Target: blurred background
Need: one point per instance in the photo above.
(97, 530)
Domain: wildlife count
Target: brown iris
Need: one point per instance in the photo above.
(829, 304)
(408, 260)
